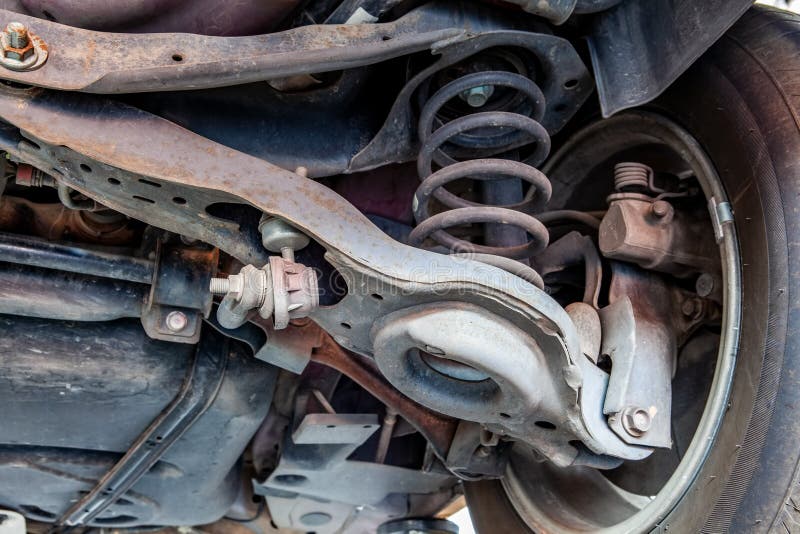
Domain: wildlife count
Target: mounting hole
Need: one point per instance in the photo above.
(148, 182)
(377, 296)
(545, 424)
(331, 426)
(504, 415)
(179, 200)
(85, 168)
(367, 426)
(386, 38)
(559, 108)
(291, 480)
(570, 84)
(177, 57)
(114, 181)
(159, 438)
(346, 326)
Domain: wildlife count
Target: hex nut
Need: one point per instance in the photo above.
(636, 421)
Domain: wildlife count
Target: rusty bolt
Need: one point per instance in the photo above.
(17, 43)
(636, 421)
(661, 208)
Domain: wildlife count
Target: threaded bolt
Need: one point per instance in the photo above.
(17, 35)
(219, 286)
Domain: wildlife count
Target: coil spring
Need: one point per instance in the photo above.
(489, 133)
(632, 175)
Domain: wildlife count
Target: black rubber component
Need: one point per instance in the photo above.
(75, 396)
(741, 101)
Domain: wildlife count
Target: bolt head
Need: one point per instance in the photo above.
(176, 321)
(661, 209)
(477, 96)
(636, 421)
(704, 285)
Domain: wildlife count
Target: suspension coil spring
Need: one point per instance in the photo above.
(487, 133)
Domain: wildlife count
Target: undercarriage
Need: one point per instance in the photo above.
(325, 266)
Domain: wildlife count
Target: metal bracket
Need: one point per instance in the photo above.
(289, 349)
(721, 215)
(314, 463)
(642, 347)
(177, 301)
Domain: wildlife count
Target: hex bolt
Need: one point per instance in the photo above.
(176, 321)
(21, 49)
(477, 96)
(17, 35)
(636, 421)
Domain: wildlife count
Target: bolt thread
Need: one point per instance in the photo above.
(17, 35)
(220, 286)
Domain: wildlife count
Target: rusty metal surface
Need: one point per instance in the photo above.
(55, 222)
(654, 235)
(639, 338)
(98, 62)
(437, 429)
(87, 141)
(128, 139)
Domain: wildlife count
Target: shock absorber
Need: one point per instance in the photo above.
(494, 136)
